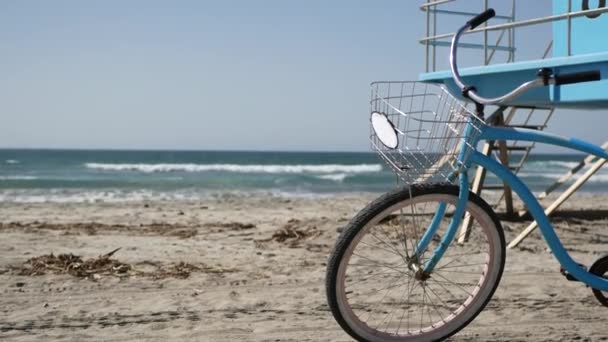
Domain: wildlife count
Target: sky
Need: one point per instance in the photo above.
(215, 75)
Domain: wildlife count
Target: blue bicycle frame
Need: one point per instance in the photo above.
(469, 156)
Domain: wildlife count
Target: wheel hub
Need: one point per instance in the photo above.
(419, 273)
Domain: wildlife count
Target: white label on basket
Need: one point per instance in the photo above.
(385, 131)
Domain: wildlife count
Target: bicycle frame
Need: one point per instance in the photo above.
(473, 157)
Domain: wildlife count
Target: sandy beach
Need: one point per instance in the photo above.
(251, 269)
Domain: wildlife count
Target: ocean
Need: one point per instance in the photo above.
(30, 176)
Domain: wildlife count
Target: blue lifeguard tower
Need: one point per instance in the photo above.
(578, 29)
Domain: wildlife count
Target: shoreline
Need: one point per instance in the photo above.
(135, 196)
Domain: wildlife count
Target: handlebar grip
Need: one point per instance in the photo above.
(577, 77)
(481, 18)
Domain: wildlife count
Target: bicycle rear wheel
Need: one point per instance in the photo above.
(371, 284)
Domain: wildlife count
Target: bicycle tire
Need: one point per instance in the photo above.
(343, 308)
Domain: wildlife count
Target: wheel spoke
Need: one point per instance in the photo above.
(409, 291)
(390, 271)
(443, 287)
(445, 306)
(422, 311)
(465, 265)
(453, 283)
(388, 245)
(376, 262)
(392, 251)
(389, 287)
(402, 224)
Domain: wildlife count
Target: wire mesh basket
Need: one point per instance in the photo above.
(418, 129)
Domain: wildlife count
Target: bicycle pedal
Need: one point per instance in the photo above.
(569, 276)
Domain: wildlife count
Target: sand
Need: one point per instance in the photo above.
(253, 270)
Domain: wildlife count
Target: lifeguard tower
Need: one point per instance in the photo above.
(578, 43)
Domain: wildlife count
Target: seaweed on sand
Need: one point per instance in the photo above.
(293, 233)
(74, 265)
(104, 265)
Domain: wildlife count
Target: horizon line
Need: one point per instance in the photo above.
(145, 149)
(214, 150)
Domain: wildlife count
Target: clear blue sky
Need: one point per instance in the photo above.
(254, 75)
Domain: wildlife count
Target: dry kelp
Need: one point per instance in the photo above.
(183, 270)
(233, 225)
(293, 233)
(104, 265)
(74, 265)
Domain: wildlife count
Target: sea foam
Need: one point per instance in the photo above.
(18, 177)
(337, 177)
(242, 168)
(141, 195)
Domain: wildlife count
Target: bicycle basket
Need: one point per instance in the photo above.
(418, 129)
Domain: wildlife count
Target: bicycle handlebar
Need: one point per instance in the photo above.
(583, 76)
(545, 76)
(481, 18)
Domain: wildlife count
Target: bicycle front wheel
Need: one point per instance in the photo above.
(374, 288)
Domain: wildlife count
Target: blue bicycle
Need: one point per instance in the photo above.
(407, 268)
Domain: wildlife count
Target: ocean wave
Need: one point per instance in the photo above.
(126, 196)
(18, 177)
(337, 177)
(241, 168)
(553, 163)
(600, 177)
(92, 196)
(11, 161)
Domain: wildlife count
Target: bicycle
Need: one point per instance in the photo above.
(398, 271)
